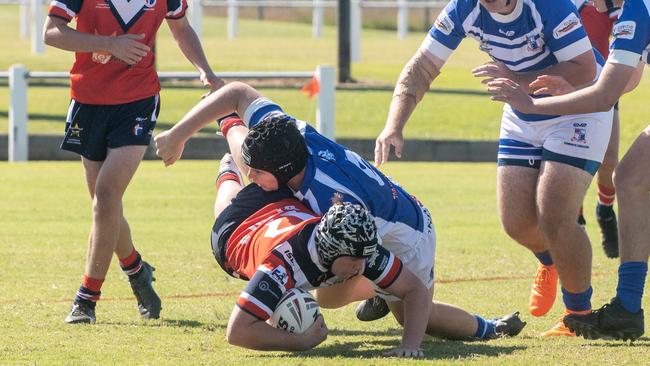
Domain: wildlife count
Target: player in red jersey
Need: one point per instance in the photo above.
(115, 103)
(272, 240)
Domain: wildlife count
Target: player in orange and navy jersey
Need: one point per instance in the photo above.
(272, 240)
(115, 103)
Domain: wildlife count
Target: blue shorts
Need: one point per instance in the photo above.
(90, 130)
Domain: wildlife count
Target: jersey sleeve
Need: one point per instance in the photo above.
(65, 9)
(258, 109)
(631, 35)
(383, 268)
(176, 9)
(269, 283)
(564, 33)
(446, 33)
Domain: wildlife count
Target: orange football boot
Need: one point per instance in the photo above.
(560, 329)
(544, 290)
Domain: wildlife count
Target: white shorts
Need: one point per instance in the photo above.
(579, 140)
(418, 253)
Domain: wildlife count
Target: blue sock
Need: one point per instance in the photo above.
(631, 280)
(577, 302)
(485, 329)
(544, 257)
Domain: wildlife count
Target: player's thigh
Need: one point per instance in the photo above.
(516, 186)
(611, 155)
(118, 170)
(634, 169)
(560, 191)
(91, 171)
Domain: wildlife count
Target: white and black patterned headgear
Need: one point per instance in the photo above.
(345, 230)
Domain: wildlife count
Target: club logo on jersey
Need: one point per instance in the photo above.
(534, 42)
(568, 25)
(579, 133)
(326, 155)
(127, 12)
(624, 30)
(444, 24)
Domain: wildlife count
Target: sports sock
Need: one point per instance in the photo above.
(577, 302)
(606, 195)
(227, 175)
(132, 264)
(90, 291)
(544, 257)
(229, 121)
(631, 280)
(485, 329)
(604, 211)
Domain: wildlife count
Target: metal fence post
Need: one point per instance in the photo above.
(402, 19)
(17, 113)
(196, 17)
(325, 121)
(355, 30)
(317, 19)
(38, 18)
(233, 14)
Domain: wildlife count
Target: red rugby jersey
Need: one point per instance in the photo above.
(99, 78)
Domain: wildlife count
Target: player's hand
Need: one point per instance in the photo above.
(210, 80)
(386, 139)
(404, 353)
(551, 84)
(507, 91)
(492, 70)
(128, 48)
(167, 148)
(315, 334)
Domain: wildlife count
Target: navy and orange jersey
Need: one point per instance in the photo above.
(100, 78)
(275, 249)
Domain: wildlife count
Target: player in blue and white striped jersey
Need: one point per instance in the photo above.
(281, 151)
(545, 162)
(622, 318)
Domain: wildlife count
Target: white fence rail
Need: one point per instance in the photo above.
(32, 16)
(19, 76)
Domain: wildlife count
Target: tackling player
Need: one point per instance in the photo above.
(622, 318)
(272, 240)
(112, 114)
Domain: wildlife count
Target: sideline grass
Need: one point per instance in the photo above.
(45, 222)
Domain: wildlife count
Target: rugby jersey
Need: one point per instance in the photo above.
(100, 78)
(632, 34)
(275, 248)
(536, 35)
(331, 168)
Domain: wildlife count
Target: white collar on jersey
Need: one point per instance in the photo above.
(508, 18)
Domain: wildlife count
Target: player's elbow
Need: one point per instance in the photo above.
(234, 335)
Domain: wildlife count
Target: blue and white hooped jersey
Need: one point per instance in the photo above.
(536, 35)
(632, 34)
(331, 168)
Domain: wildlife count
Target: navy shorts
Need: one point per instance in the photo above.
(249, 200)
(90, 130)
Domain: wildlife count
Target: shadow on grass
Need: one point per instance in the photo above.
(434, 349)
(178, 323)
(376, 333)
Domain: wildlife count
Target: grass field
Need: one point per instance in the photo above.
(45, 222)
(273, 46)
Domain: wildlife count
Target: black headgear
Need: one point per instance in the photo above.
(345, 230)
(275, 145)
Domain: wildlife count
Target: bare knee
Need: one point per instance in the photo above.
(107, 201)
(522, 231)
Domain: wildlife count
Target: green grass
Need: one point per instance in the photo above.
(271, 46)
(45, 222)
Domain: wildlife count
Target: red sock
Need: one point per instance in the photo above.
(606, 195)
(128, 261)
(93, 284)
(228, 123)
(225, 176)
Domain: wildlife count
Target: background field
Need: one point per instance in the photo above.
(282, 46)
(45, 222)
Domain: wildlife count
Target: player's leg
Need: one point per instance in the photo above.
(606, 193)
(622, 318)
(229, 183)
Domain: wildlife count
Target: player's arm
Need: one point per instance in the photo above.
(245, 330)
(414, 81)
(190, 45)
(416, 300)
(234, 97)
(128, 48)
(599, 97)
